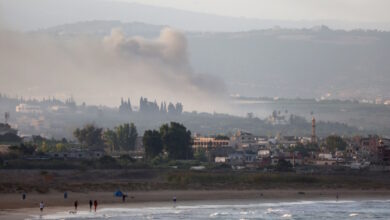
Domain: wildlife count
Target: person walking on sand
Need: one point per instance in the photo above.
(41, 206)
(76, 203)
(90, 205)
(95, 204)
(24, 196)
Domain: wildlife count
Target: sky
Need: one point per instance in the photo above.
(344, 10)
(339, 14)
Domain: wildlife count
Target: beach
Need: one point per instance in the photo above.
(13, 207)
(156, 188)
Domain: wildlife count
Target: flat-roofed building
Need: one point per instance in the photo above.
(209, 142)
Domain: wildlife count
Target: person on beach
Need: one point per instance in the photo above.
(124, 198)
(174, 199)
(65, 195)
(24, 196)
(95, 204)
(76, 203)
(41, 206)
(90, 205)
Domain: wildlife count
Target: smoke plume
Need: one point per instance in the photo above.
(100, 71)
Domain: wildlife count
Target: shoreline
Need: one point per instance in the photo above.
(12, 207)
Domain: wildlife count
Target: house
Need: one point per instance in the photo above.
(325, 156)
(221, 159)
(243, 140)
(240, 157)
(264, 153)
(26, 108)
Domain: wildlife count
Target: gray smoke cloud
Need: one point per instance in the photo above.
(100, 71)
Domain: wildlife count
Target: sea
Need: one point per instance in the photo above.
(240, 210)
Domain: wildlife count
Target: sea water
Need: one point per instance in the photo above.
(343, 209)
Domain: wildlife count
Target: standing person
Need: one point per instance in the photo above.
(65, 195)
(76, 203)
(95, 204)
(24, 196)
(90, 205)
(124, 198)
(41, 206)
(174, 199)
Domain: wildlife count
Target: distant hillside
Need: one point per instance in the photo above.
(102, 28)
(297, 63)
(278, 62)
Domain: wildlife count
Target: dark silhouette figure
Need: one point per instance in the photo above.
(24, 196)
(90, 205)
(65, 195)
(76, 203)
(41, 206)
(95, 203)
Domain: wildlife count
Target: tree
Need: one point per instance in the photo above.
(152, 143)
(127, 135)
(89, 136)
(22, 149)
(221, 137)
(306, 150)
(176, 141)
(111, 140)
(10, 137)
(60, 147)
(335, 142)
(283, 166)
(200, 155)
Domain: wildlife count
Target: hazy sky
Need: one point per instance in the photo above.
(344, 10)
(344, 14)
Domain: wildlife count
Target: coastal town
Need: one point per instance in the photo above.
(240, 151)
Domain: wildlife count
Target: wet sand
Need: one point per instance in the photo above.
(13, 207)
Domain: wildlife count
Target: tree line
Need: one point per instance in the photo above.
(146, 106)
(121, 138)
(172, 140)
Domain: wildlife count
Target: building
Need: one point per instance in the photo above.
(209, 142)
(243, 140)
(25, 108)
(240, 157)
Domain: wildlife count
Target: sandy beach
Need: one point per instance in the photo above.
(13, 207)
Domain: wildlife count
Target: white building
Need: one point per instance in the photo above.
(25, 108)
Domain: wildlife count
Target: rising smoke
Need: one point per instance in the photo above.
(101, 71)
